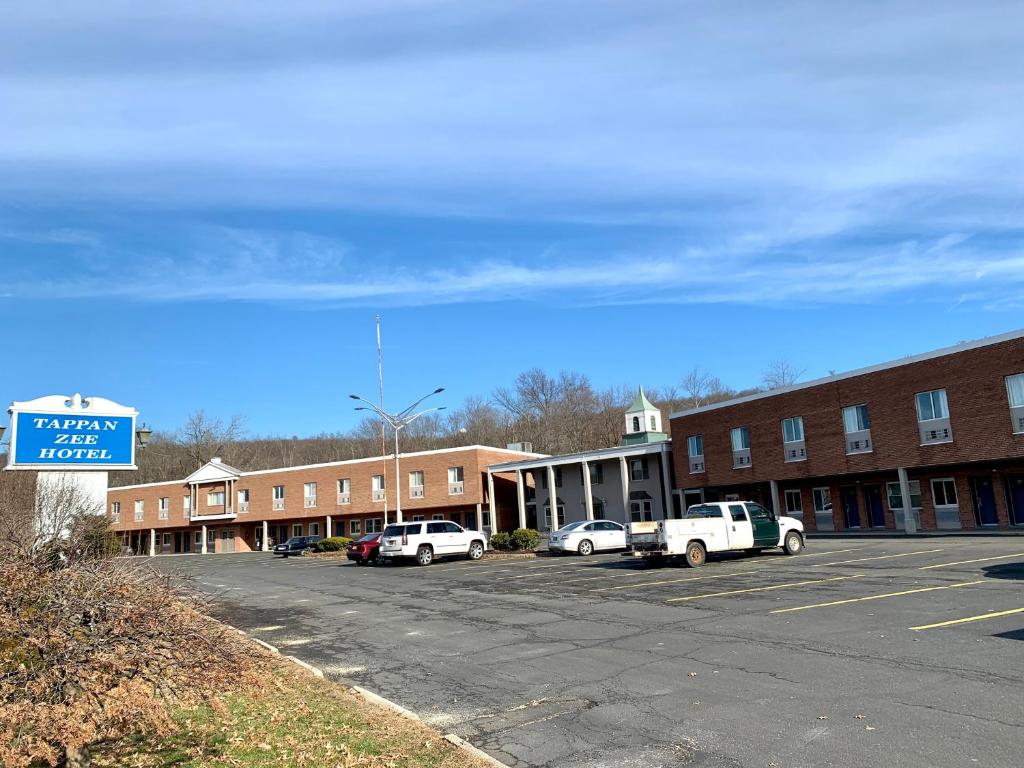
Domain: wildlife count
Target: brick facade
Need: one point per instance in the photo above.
(241, 532)
(984, 445)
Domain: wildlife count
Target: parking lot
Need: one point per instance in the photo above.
(902, 652)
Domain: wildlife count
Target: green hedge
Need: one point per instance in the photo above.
(519, 539)
(333, 544)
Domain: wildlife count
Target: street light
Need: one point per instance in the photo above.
(143, 434)
(399, 421)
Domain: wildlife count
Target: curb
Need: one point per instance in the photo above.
(464, 745)
(867, 536)
(408, 714)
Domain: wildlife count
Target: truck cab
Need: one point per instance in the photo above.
(727, 526)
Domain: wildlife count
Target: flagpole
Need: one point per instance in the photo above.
(383, 445)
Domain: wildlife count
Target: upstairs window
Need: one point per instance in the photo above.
(638, 470)
(140, 509)
(695, 452)
(115, 511)
(636, 423)
(793, 429)
(164, 507)
(344, 486)
(1015, 392)
(377, 483)
(932, 405)
(215, 499)
(855, 418)
(740, 439)
(596, 474)
(309, 490)
(278, 493)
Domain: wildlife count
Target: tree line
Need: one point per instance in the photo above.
(557, 414)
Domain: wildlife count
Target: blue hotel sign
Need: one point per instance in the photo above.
(78, 434)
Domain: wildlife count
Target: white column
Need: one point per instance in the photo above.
(552, 497)
(774, 485)
(480, 518)
(909, 523)
(202, 548)
(666, 483)
(491, 506)
(521, 497)
(588, 499)
(152, 542)
(327, 528)
(266, 536)
(624, 472)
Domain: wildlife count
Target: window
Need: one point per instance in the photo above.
(437, 516)
(355, 528)
(243, 496)
(636, 423)
(654, 423)
(344, 491)
(822, 500)
(417, 518)
(186, 503)
(793, 429)
(278, 493)
(215, 499)
(455, 481)
(638, 470)
(596, 474)
(640, 511)
(416, 485)
(855, 419)
(436, 528)
(695, 450)
(701, 511)
(140, 509)
(309, 490)
(932, 405)
(297, 529)
(895, 494)
(794, 502)
(164, 506)
(115, 511)
(198, 538)
(314, 529)
(451, 527)
(740, 439)
(558, 477)
(1015, 390)
(377, 483)
(211, 538)
(943, 492)
(739, 514)
(757, 512)
(373, 525)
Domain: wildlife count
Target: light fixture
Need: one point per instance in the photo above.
(143, 434)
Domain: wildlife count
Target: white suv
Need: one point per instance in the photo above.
(428, 540)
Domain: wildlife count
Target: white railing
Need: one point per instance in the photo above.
(309, 501)
(696, 464)
(378, 495)
(278, 505)
(416, 492)
(455, 489)
(344, 498)
(859, 442)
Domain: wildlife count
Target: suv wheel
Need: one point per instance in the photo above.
(476, 550)
(424, 556)
(586, 548)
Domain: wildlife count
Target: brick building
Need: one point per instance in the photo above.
(844, 452)
(221, 509)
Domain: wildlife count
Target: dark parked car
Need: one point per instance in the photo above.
(296, 545)
(365, 550)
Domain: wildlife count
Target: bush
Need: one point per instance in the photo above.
(501, 541)
(333, 544)
(525, 538)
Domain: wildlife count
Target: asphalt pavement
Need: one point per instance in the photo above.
(856, 653)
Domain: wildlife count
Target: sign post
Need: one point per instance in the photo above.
(72, 443)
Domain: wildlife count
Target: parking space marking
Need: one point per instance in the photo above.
(762, 589)
(879, 557)
(532, 573)
(966, 562)
(877, 597)
(673, 581)
(968, 619)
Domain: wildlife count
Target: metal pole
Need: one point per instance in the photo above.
(398, 488)
(380, 387)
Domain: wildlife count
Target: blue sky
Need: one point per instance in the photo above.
(203, 205)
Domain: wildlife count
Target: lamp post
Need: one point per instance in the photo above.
(399, 421)
(142, 434)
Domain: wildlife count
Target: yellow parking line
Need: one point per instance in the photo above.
(965, 620)
(878, 557)
(965, 562)
(876, 597)
(674, 581)
(762, 589)
(533, 572)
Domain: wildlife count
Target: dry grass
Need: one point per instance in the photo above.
(294, 720)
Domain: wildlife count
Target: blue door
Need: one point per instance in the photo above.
(984, 501)
(851, 510)
(873, 501)
(1015, 497)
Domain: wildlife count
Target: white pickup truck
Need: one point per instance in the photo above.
(723, 526)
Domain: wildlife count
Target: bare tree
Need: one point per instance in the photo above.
(700, 387)
(203, 437)
(780, 373)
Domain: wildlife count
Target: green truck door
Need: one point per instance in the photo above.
(766, 530)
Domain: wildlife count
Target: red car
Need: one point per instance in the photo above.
(365, 550)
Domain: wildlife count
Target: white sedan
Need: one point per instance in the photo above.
(588, 536)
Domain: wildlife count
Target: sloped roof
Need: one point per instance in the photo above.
(641, 403)
(212, 472)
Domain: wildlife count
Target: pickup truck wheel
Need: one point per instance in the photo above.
(793, 544)
(476, 550)
(586, 548)
(696, 555)
(424, 556)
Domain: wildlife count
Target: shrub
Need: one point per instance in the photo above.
(333, 544)
(501, 541)
(525, 538)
